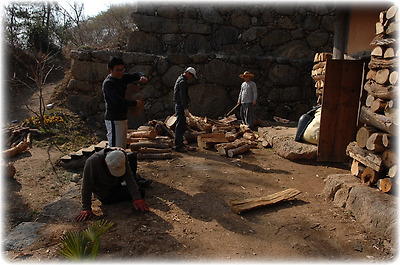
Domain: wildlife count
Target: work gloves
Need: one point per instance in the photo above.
(141, 205)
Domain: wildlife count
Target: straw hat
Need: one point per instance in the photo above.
(246, 73)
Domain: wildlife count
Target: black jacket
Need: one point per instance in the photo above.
(114, 96)
(181, 95)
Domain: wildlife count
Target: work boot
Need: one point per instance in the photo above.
(142, 182)
(181, 149)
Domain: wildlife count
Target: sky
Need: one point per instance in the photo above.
(91, 7)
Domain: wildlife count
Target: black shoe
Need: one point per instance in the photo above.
(145, 183)
(181, 149)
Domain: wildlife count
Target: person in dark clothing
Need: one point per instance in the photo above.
(110, 175)
(182, 100)
(114, 88)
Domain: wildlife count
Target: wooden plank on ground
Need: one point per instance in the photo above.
(239, 206)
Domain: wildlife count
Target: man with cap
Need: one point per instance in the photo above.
(182, 100)
(103, 175)
(247, 99)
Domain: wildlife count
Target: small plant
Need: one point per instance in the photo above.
(83, 245)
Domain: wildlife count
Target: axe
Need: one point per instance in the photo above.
(229, 113)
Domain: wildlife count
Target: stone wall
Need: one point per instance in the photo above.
(277, 43)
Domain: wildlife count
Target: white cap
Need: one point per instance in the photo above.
(115, 161)
(192, 71)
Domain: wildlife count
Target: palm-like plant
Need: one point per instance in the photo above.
(85, 244)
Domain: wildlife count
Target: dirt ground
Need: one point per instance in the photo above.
(190, 218)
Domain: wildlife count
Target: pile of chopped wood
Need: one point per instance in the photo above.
(373, 153)
(18, 141)
(318, 73)
(155, 140)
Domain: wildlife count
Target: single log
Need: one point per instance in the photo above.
(392, 172)
(239, 206)
(370, 176)
(145, 150)
(369, 100)
(138, 145)
(389, 53)
(391, 12)
(191, 136)
(371, 74)
(231, 136)
(377, 51)
(379, 91)
(387, 140)
(382, 17)
(357, 168)
(385, 184)
(374, 142)
(229, 120)
(393, 77)
(389, 158)
(141, 156)
(392, 28)
(239, 150)
(249, 136)
(366, 157)
(379, 63)
(170, 122)
(378, 105)
(382, 76)
(207, 141)
(376, 120)
(379, 28)
(146, 128)
(10, 170)
(363, 134)
(142, 134)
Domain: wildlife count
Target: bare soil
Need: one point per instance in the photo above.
(190, 218)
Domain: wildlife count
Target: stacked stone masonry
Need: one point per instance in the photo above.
(277, 43)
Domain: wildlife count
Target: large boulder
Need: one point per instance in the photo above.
(209, 100)
(89, 71)
(143, 42)
(154, 24)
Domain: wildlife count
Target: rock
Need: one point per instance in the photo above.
(240, 19)
(144, 42)
(191, 26)
(364, 203)
(196, 43)
(288, 148)
(88, 71)
(210, 14)
(274, 38)
(83, 103)
(284, 75)
(24, 235)
(317, 39)
(154, 24)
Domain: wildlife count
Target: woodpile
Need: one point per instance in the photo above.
(373, 152)
(318, 73)
(18, 141)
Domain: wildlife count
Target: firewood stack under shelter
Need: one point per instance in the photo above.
(318, 73)
(373, 152)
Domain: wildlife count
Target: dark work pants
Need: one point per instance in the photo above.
(180, 126)
(247, 114)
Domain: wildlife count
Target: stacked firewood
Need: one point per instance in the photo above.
(318, 73)
(373, 153)
(18, 140)
(155, 140)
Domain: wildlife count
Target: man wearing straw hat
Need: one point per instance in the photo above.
(247, 99)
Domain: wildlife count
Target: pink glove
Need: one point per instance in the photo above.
(141, 205)
(84, 215)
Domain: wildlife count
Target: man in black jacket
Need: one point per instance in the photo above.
(114, 88)
(182, 100)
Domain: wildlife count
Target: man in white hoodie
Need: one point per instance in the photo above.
(247, 99)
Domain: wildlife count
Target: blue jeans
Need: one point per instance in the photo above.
(180, 126)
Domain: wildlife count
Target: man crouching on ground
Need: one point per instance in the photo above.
(103, 175)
